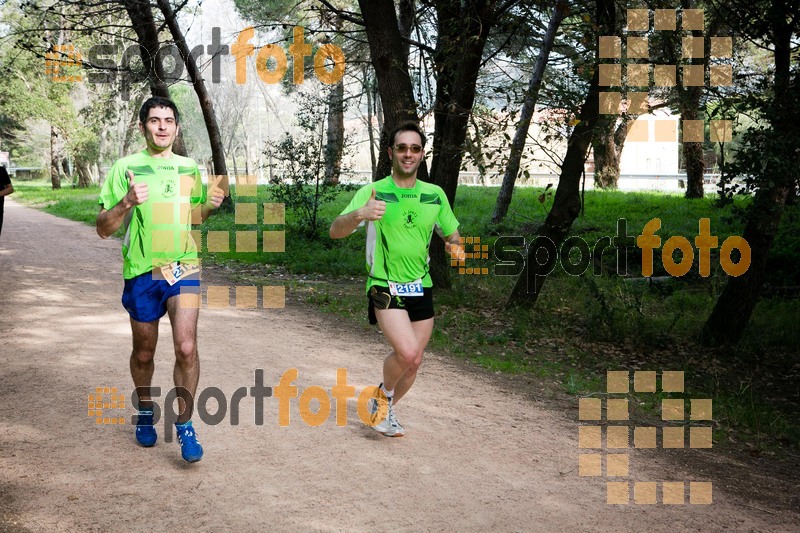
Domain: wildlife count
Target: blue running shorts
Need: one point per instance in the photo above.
(145, 298)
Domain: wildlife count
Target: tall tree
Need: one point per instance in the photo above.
(689, 107)
(389, 58)
(567, 202)
(144, 24)
(607, 144)
(526, 114)
(462, 31)
(206, 105)
(767, 163)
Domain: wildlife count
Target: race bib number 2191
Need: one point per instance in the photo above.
(406, 289)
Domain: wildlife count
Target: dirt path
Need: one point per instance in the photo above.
(477, 456)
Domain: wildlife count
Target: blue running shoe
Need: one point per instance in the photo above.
(190, 448)
(145, 431)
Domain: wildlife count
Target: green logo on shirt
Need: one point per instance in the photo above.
(169, 189)
(408, 219)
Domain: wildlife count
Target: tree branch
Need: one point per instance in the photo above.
(421, 46)
(349, 16)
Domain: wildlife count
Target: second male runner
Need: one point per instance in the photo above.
(401, 213)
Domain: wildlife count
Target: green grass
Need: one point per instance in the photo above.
(74, 204)
(581, 326)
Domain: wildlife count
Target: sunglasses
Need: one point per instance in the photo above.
(403, 148)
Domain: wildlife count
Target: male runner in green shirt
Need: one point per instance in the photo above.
(401, 213)
(157, 195)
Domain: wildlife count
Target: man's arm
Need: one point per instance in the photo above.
(6, 187)
(453, 247)
(453, 238)
(109, 220)
(346, 224)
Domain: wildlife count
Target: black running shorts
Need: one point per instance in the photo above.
(417, 307)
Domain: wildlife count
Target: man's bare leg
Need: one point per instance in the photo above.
(145, 338)
(186, 374)
(408, 340)
(397, 329)
(422, 330)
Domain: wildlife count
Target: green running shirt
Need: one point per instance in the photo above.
(397, 244)
(157, 231)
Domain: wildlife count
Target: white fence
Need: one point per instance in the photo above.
(627, 182)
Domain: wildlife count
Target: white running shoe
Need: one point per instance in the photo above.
(391, 427)
(373, 408)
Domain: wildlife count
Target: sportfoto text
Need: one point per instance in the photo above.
(575, 254)
(284, 392)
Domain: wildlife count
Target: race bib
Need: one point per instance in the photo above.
(176, 271)
(406, 289)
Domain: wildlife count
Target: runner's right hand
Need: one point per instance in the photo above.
(455, 251)
(373, 209)
(137, 192)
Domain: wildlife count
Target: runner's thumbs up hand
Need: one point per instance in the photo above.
(215, 193)
(137, 192)
(373, 209)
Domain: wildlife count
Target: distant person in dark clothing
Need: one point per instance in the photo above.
(5, 189)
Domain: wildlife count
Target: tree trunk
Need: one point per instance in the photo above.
(334, 144)
(84, 173)
(379, 118)
(463, 28)
(55, 176)
(606, 164)
(607, 144)
(528, 107)
(692, 151)
(65, 168)
(735, 305)
(405, 22)
(391, 71)
(147, 36)
(689, 101)
(567, 201)
(131, 129)
(370, 132)
(462, 33)
(206, 105)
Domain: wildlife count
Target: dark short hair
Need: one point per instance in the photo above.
(157, 101)
(407, 126)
